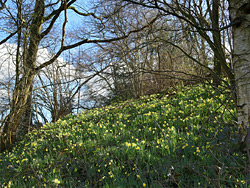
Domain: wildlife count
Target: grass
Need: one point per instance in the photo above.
(186, 139)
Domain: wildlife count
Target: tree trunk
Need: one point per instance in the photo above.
(240, 18)
(23, 88)
(217, 43)
(12, 121)
(26, 119)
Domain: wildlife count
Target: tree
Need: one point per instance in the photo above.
(42, 18)
(147, 62)
(209, 26)
(203, 20)
(240, 19)
(54, 85)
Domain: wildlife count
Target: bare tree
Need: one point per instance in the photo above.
(203, 17)
(42, 18)
(209, 24)
(54, 86)
(155, 59)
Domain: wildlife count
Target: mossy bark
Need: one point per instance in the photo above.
(23, 87)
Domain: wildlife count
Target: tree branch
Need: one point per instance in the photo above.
(85, 14)
(2, 3)
(7, 38)
(54, 15)
(87, 41)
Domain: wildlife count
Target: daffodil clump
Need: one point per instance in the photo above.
(186, 139)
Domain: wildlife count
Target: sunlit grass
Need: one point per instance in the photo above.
(185, 139)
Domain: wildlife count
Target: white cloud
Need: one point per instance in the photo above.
(96, 87)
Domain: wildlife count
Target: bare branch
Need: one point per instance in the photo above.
(85, 14)
(86, 41)
(54, 15)
(64, 23)
(2, 3)
(7, 38)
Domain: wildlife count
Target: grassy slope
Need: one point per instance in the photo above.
(178, 140)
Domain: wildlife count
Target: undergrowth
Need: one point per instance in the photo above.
(186, 139)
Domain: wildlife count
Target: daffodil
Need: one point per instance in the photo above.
(56, 181)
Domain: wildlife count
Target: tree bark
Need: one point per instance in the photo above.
(26, 119)
(22, 91)
(217, 42)
(240, 18)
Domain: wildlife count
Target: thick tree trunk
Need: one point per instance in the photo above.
(240, 18)
(23, 88)
(12, 121)
(26, 120)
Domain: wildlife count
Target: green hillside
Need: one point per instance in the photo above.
(184, 139)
